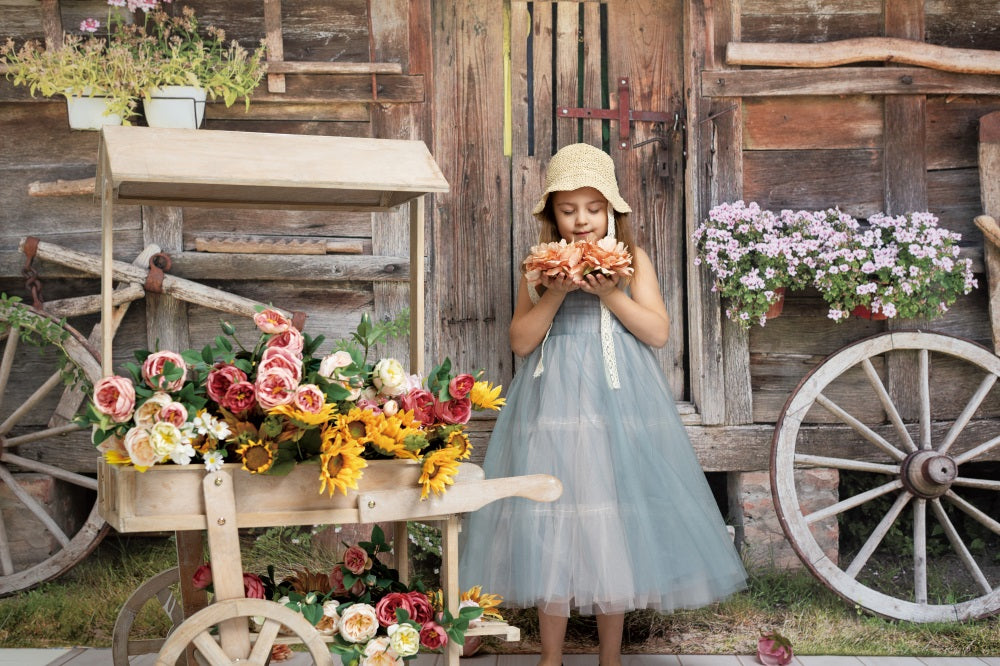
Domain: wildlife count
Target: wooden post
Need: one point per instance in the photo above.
(107, 259)
(227, 566)
(417, 285)
(166, 316)
(989, 188)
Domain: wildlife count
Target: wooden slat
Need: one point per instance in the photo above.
(286, 67)
(592, 129)
(989, 179)
(567, 41)
(796, 123)
(52, 24)
(812, 26)
(258, 244)
(275, 45)
(166, 316)
(843, 81)
(544, 84)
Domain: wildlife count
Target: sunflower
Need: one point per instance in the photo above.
(485, 396)
(359, 425)
(393, 431)
(305, 419)
(257, 455)
(438, 470)
(340, 463)
(116, 457)
(459, 440)
(490, 603)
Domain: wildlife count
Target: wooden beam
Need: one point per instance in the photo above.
(989, 170)
(865, 49)
(52, 24)
(844, 81)
(275, 45)
(288, 67)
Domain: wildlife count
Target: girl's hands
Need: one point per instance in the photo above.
(560, 283)
(598, 283)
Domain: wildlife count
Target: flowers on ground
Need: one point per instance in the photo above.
(279, 402)
(577, 259)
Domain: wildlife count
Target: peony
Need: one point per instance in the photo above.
(290, 340)
(148, 412)
(356, 560)
(421, 403)
(115, 396)
(460, 386)
(358, 623)
(280, 357)
(551, 259)
(271, 321)
(328, 624)
(165, 437)
(332, 362)
(386, 607)
(389, 377)
(253, 586)
(309, 398)
(240, 397)
(607, 256)
(404, 639)
(433, 636)
(174, 413)
(220, 379)
(453, 411)
(140, 448)
(202, 577)
(153, 368)
(379, 652)
(423, 610)
(275, 387)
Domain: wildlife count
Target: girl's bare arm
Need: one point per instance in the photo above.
(531, 321)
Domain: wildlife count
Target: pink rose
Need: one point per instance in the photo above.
(433, 636)
(460, 386)
(370, 405)
(271, 321)
(174, 413)
(152, 369)
(239, 397)
(291, 340)
(253, 586)
(202, 577)
(453, 411)
(337, 581)
(309, 398)
(385, 609)
(115, 396)
(356, 560)
(280, 357)
(421, 403)
(220, 379)
(423, 610)
(773, 649)
(275, 387)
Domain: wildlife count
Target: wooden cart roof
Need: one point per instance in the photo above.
(153, 166)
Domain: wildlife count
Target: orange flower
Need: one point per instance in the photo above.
(551, 259)
(607, 255)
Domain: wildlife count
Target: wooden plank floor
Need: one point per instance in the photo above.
(102, 657)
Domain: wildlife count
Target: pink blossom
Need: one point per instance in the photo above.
(90, 25)
(280, 357)
(239, 397)
(153, 368)
(421, 403)
(220, 379)
(115, 396)
(290, 339)
(271, 321)
(275, 387)
(309, 398)
(453, 411)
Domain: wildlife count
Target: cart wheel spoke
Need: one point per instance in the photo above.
(963, 419)
(925, 398)
(806, 460)
(210, 649)
(972, 511)
(38, 435)
(32, 505)
(6, 563)
(851, 502)
(977, 451)
(959, 546)
(860, 427)
(877, 535)
(920, 551)
(58, 472)
(7, 362)
(29, 404)
(887, 404)
(265, 639)
(984, 484)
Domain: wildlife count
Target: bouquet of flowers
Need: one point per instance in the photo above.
(279, 402)
(372, 617)
(577, 259)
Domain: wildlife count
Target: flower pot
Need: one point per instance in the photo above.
(89, 113)
(175, 107)
(774, 311)
(864, 312)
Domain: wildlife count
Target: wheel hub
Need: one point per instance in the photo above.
(928, 474)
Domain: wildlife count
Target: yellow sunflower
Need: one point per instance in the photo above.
(257, 455)
(438, 470)
(485, 396)
(490, 603)
(340, 466)
(359, 425)
(305, 419)
(459, 440)
(116, 457)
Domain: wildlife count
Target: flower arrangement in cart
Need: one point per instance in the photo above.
(277, 403)
(372, 618)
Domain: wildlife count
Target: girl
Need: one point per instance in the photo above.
(636, 525)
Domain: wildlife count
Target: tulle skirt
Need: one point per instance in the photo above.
(637, 525)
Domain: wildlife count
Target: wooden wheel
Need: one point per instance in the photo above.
(40, 475)
(158, 587)
(942, 468)
(197, 631)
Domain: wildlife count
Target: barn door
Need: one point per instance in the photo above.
(604, 56)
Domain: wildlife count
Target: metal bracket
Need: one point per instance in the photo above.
(623, 114)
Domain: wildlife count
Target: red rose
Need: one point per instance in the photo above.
(220, 379)
(421, 403)
(253, 586)
(202, 577)
(423, 610)
(433, 636)
(453, 411)
(356, 560)
(385, 609)
(460, 386)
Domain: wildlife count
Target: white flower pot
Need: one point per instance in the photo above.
(89, 113)
(175, 106)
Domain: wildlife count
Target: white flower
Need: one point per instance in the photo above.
(214, 460)
(145, 415)
(358, 623)
(331, 363)
(165, 437)
(404, 639)
(379, 653)
(206, 424)
(389, 377)
(182, 454)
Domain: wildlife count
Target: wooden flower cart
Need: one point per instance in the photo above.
(254, 170)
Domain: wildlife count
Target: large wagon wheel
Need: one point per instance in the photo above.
(35, 440)
(942, 465)
(197, 631)
(158, 587)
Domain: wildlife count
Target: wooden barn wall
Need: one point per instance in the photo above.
(852, 151)
(36, 144)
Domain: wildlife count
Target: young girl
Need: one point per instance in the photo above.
(636, 525)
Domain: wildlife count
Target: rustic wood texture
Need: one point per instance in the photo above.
(821, 123)
(797, 21)
(275, 45)
(166, 316)
(962, 23)
(989, 171)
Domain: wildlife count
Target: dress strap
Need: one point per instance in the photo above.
(607, 349)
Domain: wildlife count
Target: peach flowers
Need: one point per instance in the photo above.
(578, 259)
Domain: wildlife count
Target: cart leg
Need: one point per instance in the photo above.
(224, 551)
(190, 556)
(449, 578)
(401, 548)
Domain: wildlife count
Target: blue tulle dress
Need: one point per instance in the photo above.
(637, 525)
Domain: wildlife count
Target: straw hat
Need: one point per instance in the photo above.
(582, 165)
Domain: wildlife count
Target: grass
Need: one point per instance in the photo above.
(80, 607)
